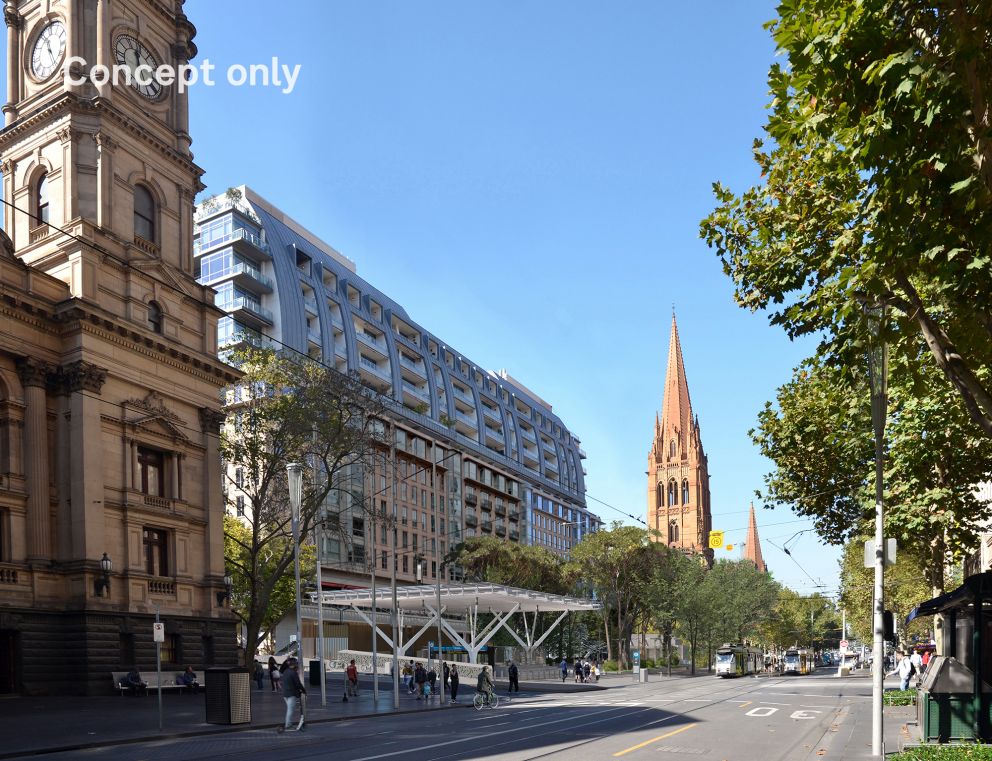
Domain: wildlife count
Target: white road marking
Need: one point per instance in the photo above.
(770, 703)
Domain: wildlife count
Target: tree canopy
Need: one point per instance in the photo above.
(876, 185)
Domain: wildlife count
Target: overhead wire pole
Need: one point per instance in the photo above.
(878, 372)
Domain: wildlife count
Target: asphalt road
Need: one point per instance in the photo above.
(746, 719)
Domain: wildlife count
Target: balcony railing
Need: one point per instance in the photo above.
(494, 433)
(471, 520)
(514, 515)
(240, 269)
(237, 234)
(500, 509)
(464, 395)
(313, 336)
(249, 305)
(500, 530)
(471, 499)
(528, 434)
(374, 341)
(492, 414)
(469, 419)
(218, 204)
(416, 390)
(310, 304)
(514, 535)
(417, 367)
(487, 525)
(374, 367)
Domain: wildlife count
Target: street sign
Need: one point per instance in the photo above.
(158, 632)
(730, 548)
(843, 645)
(716, 540)
(889, 555)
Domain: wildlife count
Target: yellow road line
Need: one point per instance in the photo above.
(655, 739)
(745, 704)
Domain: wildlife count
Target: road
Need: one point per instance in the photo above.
(748, 719)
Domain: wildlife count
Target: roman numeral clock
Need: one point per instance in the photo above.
(131, 53)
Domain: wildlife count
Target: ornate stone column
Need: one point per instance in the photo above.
(82, 382)
(34, 378)
(213, 499)
(13, 21)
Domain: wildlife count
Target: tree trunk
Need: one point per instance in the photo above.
(606, 633)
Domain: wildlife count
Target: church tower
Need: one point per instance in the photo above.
(110, 495)
(678, 479)
(752, 545)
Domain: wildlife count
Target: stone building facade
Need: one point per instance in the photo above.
(109, 376)
(678, 477)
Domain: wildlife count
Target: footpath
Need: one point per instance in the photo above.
(35, 726)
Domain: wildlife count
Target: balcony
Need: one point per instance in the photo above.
(500, 529)
(469, 420)
(372, 341)
(240, 238)
(487, 504)
(582, 452)
(551, 465)
(417, 391)
(310, 304)
(500, 509)
(471, 499)
(244, 275)
(514, 535)
(246, 336)
(340, 349)
(216, 205)
(487, 525)
(313, 336)
(495, 435)
(464, 395)
(416, 366)
(492, 414)
(514, 514)
(471, 520)
(244, 309)
(372, 367)
(528, 434)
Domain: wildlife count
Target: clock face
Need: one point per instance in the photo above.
(131, 53)
(48, 50)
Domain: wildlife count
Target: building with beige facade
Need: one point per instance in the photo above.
(110, 487)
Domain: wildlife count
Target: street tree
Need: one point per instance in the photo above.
(742, 598)
(285, 408)
(805, 621)
(694, 598)
(818, 435)
(876, 186)
(488, 558)
(618, 565)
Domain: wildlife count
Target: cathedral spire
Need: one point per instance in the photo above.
(676, 408)
(752, 545)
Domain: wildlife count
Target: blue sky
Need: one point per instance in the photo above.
(527, 179)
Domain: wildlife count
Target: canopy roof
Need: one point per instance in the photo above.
(962, 599)
(459, 598)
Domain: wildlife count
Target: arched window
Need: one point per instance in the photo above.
(41, 199)
(659, 497)
(685, 492)
(671, 448)
(144, 214)
(673, 532)
(672, 493)
(155, 316)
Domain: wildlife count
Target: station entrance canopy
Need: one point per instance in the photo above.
(461, 605)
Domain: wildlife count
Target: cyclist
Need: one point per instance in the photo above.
(485, 684)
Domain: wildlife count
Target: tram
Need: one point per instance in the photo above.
(738, 660)
(798, 661)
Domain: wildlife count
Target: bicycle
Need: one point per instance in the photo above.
(480, 701)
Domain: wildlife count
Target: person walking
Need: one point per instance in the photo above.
(432, 681)
(274, 674)
(420, 679)
(453, 678)
(408, 676)
(917, 661)
(292, 690)
(564, 669)
(447, 674)
(351, 680)
(514, 678)
(259, 674)
(578, 670)
(904, 668)
(586, 670)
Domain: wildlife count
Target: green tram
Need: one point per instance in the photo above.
(798, 661)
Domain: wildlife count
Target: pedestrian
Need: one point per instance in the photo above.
(926, 660)
(274, 674)
(514, 678)
(564, 669)
(578, 670)
(133, 681)
(917, 660)
(408, 676)
(453, 677)
(485, 685)
(432, 681)
(420, 679)
(351, 680)
(586, 670)
(447, 674)
(259, 673)
(292, 691)
(595, 670)
(904, 668)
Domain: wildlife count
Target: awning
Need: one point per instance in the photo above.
(977, 587)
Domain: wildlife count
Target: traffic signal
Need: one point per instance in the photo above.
(888, 626)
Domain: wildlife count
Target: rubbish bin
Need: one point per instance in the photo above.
(316, 672)
(642, 675)
(228, 695)
(945, 702)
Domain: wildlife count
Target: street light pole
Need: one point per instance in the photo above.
(392, 581)
(294, 474)
(878, 376)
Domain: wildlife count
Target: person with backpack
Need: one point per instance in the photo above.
(292, 690)
(514, 675)
(564, 669)
(904, 668)
(420, 679)
(432, 682)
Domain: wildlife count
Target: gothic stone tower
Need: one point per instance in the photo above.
(678, 480)
(109, 377)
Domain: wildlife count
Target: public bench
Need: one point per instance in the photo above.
(169, 681)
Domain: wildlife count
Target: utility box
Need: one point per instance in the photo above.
(228, 696)
(316, 673)
(642, 675)
(946, 706)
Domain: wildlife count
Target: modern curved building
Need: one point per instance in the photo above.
(510, 465)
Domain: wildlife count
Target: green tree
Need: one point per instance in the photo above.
(285, 409)
(618, 565)
(905, 588)
(743, 598)
(487, 558)
(819, 436)
(806, 621)
(876, 184)
(694, 598)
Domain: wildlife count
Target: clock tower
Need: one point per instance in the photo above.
(111, 508)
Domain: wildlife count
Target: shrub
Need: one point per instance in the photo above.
(900, 698)
(609, 666)
(945, 753)
(647, 663)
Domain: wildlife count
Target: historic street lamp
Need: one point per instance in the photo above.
(103, 582)
(294, 476)
(878, 376)
(225, 594)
